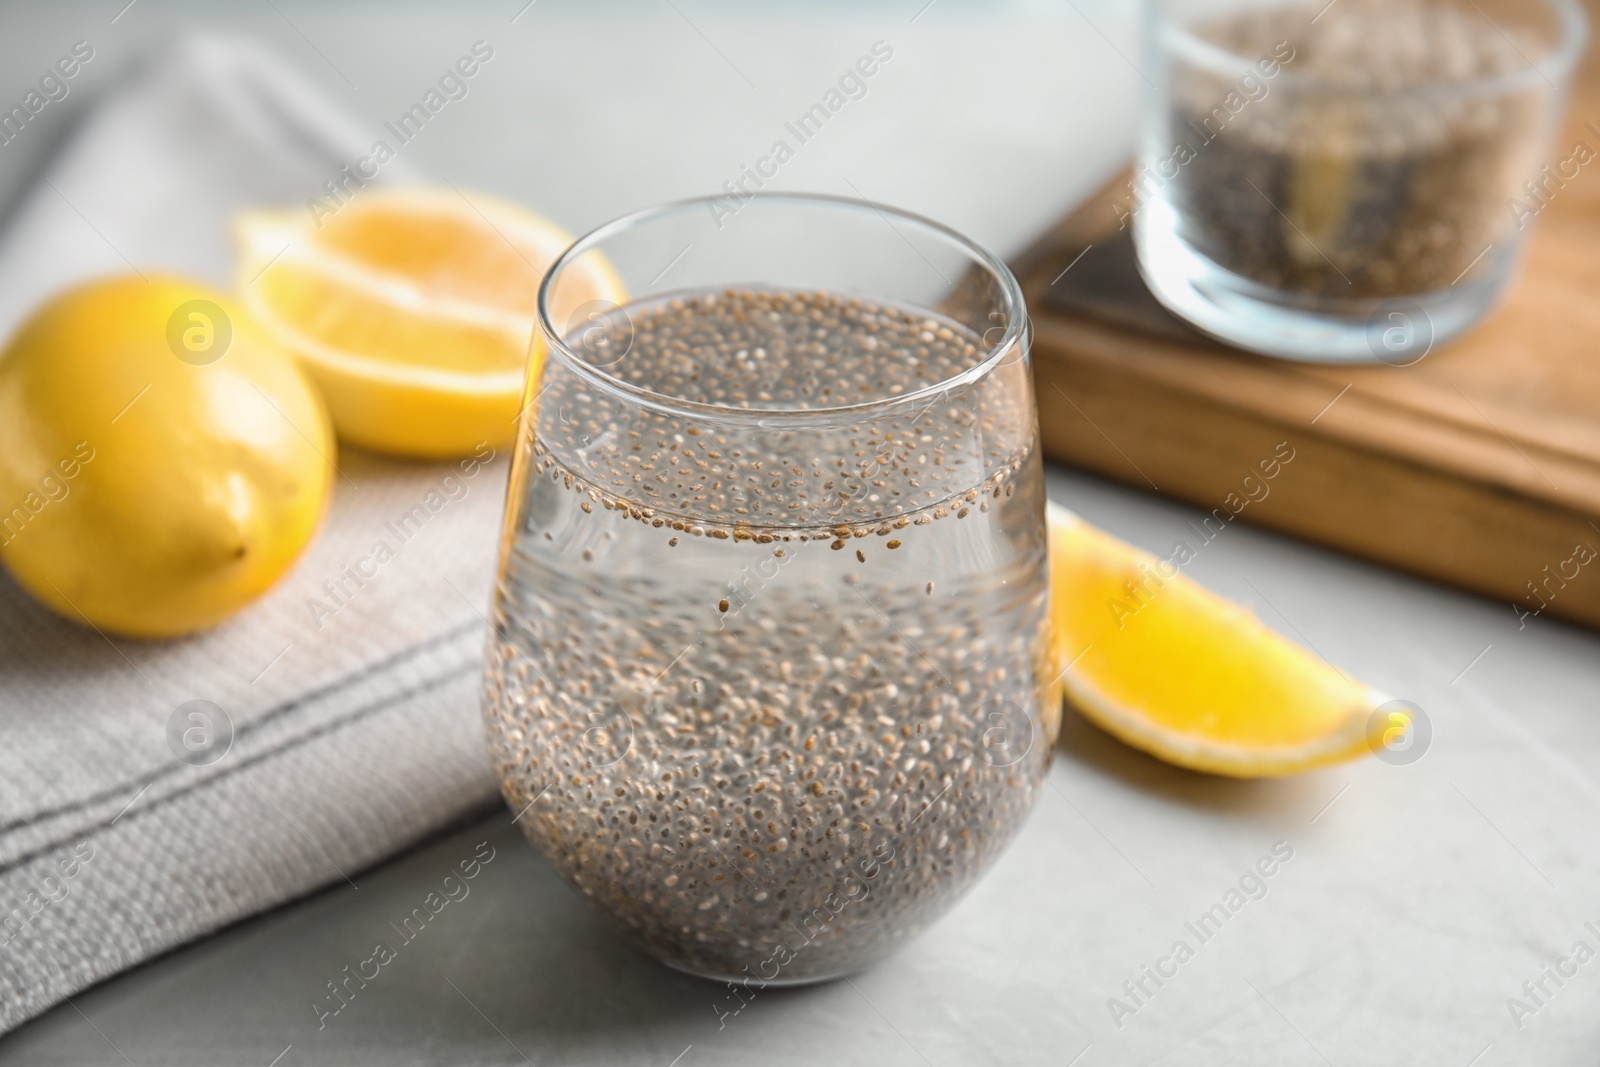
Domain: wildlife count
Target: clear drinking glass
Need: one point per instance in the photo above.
(769, 681)
(1348, 181)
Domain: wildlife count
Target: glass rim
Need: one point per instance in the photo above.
(1016, 326)
(1554, 67)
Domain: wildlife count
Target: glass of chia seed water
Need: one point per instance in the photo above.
(769, 680)
(1349, 181)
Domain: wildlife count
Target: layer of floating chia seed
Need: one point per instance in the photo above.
(795, 352)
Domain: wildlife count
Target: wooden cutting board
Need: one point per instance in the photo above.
(1478, 466)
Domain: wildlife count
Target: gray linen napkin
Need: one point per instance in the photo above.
(127, 826)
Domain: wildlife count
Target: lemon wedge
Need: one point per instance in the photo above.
(1177, 671)
(413, 310)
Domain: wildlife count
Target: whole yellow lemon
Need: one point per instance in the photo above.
(162, 462)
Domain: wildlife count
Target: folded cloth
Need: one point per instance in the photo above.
(340, 719)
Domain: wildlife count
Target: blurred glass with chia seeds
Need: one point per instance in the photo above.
(769, 680)
(1348, 181)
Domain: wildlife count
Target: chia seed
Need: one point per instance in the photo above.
(787, 787)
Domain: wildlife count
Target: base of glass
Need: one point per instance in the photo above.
(760, 983)
(1246, 314)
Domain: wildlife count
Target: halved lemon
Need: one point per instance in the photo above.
(413, 310)
(1177, 671)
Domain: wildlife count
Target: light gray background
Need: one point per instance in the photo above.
(1418, 898)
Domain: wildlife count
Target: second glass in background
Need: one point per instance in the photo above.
(1341, 182)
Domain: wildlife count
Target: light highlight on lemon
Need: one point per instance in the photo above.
(413, 310)
(1177, 671)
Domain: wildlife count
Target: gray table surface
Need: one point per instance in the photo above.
(1418, 900)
